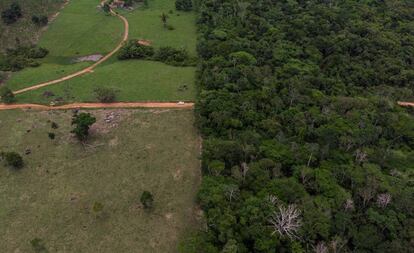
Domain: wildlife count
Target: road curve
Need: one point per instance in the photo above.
(171, 105)
(88, 69)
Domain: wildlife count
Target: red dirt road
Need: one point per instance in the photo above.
(97, 106)
(88, 69)
(406, 103)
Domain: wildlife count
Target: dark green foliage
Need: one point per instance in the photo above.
(147, 200)
(133, 50)
(106, 8)
(38, 246)
(6, 95)
(297, 105)
(21, 57)
(105, 95)
(184, 5)
(82, 123)
(51, 136)
(12, 14)
(12, 159)
(168, 55)
(54, 125)
(41, 20)
(172, 56)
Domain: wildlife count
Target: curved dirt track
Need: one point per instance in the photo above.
(88, 69)
(97, 106)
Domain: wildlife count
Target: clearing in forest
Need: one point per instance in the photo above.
(97, 33)
(52, 197)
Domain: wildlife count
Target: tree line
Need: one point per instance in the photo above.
(305, 148)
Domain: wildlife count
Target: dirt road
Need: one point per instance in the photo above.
(97, 106)
(406, 103)
(88, 69)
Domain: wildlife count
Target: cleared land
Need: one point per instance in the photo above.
(51, 198)
(135, 80)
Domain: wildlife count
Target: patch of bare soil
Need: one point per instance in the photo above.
(106, 120)
(144, 42)
(93, 58)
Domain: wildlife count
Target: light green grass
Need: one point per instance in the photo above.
(135, 80)
(146, 24)
(51, 198)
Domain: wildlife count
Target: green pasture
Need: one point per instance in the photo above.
(52, 196)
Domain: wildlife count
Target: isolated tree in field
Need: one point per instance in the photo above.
(164, 19)
(12, 159)
(6, 95)
(147, 200)
(82, 123)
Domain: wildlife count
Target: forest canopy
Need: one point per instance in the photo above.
(305, 148)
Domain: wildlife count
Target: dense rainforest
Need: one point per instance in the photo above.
(305, 148)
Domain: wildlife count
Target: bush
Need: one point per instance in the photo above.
(21, 57)
(184, 5)
(134, 50)
(51, 136)
(11, 15)
(6, 95)
(12, 159)
(105, 95)
(147, 200)
(172, 56)
(40, 20)
(82, 123)
(38, 245)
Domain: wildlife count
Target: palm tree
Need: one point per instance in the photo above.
(164, 18)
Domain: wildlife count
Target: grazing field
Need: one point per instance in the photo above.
(135, 80)
(24, 29)
(52, 196)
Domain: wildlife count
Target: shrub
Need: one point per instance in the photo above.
(41, 20)
(12, 159)
(147, 200)
(51, 136)
(6, 95)
(82, 123)
(134, 50)
(21, 57)
(171, 55)
(184, 5)
(54, 125)
(38, 245)
(105, 95)
(12, 14)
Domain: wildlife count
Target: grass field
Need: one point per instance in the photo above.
(24, 29)
(51, 198)
(135, 80)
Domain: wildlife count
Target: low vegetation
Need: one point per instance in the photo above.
(22, 57)
(168, 55)
(91, 192)
(6, 95)
(12, 14)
